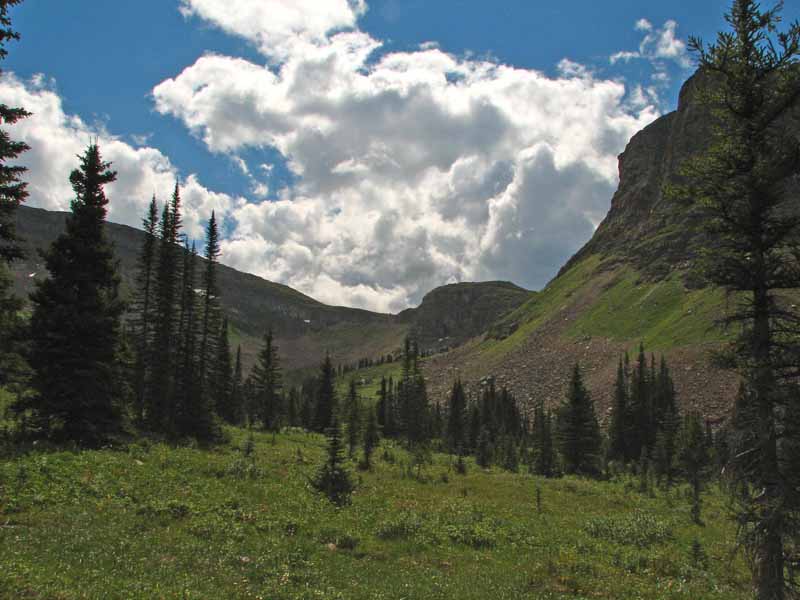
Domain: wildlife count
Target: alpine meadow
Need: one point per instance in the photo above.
(399, 300)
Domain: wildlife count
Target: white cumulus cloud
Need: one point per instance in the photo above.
(57, 138)
(413, 169)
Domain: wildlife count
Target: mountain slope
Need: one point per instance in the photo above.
(305, 328)
(632, 282)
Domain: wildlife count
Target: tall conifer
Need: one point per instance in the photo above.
(75, 326)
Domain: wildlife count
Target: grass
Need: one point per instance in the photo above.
(153, 521)
(368, 381)
(662, 314)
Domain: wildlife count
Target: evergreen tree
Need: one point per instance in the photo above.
(144, 304)
(12, 188)
(457, 417)
(75, 326)
(579, 432)
(13, 368)
(333, 480)
(693, 456)
(234, 413)
(371, 437)
(194, 415)
(325, 397)
(223, 378)
(211, 311)
(740, 188)
(544, 451)
(484, 453)
(618, 430)
(160, 402)
(353, 418)
(268, 381)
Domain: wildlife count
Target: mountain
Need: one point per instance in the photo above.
(633, 282)
(305, 329)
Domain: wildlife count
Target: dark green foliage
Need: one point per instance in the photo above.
(742, 188)
(371, 437)
(544, 459)
(208, 351)
(415, 411)
(693, 458)
(234, 411)
(484, 452)
(457, 417)
(13, 335)
(268, 382)
(223, 376)
(144, 307)
(333, 479)
(325, 397)
(75, 326)
(579, 433)
(160, 408)
(619, 430)
(353, 416)
(12, 189)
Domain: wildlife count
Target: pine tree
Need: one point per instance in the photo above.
(234, 413)
(484, 453)
(13, 368)
(12, 188)
(160, 409)
(740, 189)
(353, 416)
(693, 457)
(618, 430)
(193, 413)
(579, 431)
(75, 326)
(544, 451)
(456, 417)
(268, 381)
(371, 438)
(333, 480)
(211, 312)
(325, 397)
(223, 375)
(145, 288)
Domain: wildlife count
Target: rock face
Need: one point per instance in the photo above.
(646, 244)
(450, 315)
(646, 225)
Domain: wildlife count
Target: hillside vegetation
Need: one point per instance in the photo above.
(152, 521)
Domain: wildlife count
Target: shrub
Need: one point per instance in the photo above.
(639, 529)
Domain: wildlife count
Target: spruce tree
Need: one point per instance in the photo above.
(484, 452)
(223, 379)
(193, 413)
(371, 437)
(456, 417)
(741, 188)
(75, 326)
(268, 381)
(353, 416)
(211, 312)
(12, 189)
(160, 402)
(333, 479)
(579, 431)
(144, 306)
(544, 452)
(234, 413)
(694, 459)
(618, 430)
(325, 396)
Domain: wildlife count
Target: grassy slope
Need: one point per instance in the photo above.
(185, 523)
(662, 314)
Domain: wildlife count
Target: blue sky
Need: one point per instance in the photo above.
(299, 183)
